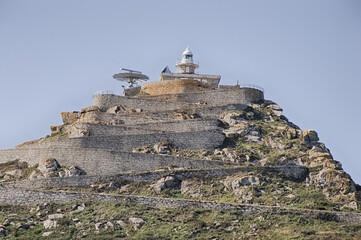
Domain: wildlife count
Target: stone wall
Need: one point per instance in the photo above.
(108, 100)
(145, 128)
(32, 197)
(175, 86)
(209, 139)
(102, 162)
(85, 181)
(217, 97)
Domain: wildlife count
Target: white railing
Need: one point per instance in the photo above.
(103, 92)
(251, 86)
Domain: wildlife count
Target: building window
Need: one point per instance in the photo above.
(189, 57)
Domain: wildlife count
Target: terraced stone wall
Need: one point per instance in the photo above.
(105, 101)
(210, 139)
(102, 162)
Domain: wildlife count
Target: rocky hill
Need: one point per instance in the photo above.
(222, 164)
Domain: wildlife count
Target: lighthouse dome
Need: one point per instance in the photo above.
(187, 51)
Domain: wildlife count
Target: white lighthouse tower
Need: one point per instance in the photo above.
(187, 65)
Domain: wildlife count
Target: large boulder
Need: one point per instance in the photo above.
(168, 182)
(163, 147)
(310, 137)
(137, 222)
(48, 167)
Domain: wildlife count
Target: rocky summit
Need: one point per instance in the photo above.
(205, 162)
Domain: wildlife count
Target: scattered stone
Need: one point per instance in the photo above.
(163, 147)
(50, 224)
(22, 226)
(113, 109)
(2, 232)
(36, 174)
(55, 216)
(137, 222)
(121, 223)
(99, 226)
(168, 182)
(191, 189)
(48, 167)
(47, 234)
(109, 225)
(74, 171)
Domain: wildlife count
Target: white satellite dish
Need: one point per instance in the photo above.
(132, 77)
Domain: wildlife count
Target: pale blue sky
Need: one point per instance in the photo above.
(306, 55)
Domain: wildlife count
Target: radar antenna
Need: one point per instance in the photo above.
(132, 77)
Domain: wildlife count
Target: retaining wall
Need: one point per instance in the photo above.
(107, 100)
(145, 128)
(210, 139)
(101, 162)
(32, 197)
(85, 181)
(218, 97)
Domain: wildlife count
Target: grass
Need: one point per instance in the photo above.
(178, 223)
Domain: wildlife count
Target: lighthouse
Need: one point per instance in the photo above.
(187, 65)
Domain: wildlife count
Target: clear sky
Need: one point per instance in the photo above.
(306, 55)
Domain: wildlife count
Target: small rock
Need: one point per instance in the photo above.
(121, 223)
(163, 147)
(109, 225)
(2, 232)
(62, 173)
(47, 234)
(99, 226)
(168, 182)
(56, 216)
(50, 224)
(137, 222)
(22, 226)
(113, 109)
(81, 207)
(74, 171)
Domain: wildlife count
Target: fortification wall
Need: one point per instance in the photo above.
(32, 197)
(120, 118)
(107, 100)
(216, 97)
(209, 139)
(101, 162)
(175, 86)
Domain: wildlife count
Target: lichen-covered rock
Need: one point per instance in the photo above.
(74, 171)
(137, 223)
(234, 118)
(168, 182)
(163, 147)
(90, 109)
(50, 224)
(36, 174)
(190, 188)
(310, 137)
(247, 181)
(78, 130)
(48, 167)
(70, 117)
